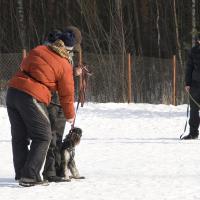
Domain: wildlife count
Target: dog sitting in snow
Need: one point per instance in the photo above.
(68, 164)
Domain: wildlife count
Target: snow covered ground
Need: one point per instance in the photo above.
(128, 152)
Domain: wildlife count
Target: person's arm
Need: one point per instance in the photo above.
(66, 92)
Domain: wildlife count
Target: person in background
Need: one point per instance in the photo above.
(192, 86)
(52, 166)
(46, 69)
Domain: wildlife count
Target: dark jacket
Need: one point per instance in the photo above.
(192, 74)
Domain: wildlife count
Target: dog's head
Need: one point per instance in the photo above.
(74, 136)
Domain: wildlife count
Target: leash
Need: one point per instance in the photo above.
(83, 83)
(82, 88)
(188, 109)
(198, 105)
(72, 125)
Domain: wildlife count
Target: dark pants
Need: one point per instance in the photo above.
(58, 121)
(194, 110)
(29, 121)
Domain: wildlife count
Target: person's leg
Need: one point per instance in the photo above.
(49, 168)
(53, 158)
(20, 139)
(40, 133)
(34, 116)
(60, 128)
(194, 112)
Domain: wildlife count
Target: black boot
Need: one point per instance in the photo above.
(57, 179)
(190, 137)
(28, 182)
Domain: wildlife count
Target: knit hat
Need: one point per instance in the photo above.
(68, 37)
(53, 35)
(78, 37)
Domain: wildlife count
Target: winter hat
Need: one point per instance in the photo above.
(78, 37)
(68, 37)
(53, 35)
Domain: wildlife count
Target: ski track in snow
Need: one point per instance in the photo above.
(128, 152)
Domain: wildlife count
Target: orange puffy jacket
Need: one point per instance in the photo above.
(46, 71)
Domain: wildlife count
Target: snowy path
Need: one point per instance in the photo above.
(128, 152)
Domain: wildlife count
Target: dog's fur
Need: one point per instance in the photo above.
(68, 164)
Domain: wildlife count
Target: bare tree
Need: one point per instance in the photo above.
(138, 33)
(118, 22)
(177, 34)
(194, 31)
(158, 27)
(21, 25)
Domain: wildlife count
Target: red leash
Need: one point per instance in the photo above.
(83, 80)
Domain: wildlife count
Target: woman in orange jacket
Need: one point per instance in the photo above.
(44, 70)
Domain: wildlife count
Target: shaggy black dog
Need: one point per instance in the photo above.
(68, 164)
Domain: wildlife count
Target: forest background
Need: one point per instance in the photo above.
(152, 34)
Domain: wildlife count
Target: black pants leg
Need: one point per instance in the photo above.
(31, 122)
(58, 121)
(60, 127)
(194, 111)
(20, 141)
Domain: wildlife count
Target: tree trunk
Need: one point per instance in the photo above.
(158, 27)
(177, 34)
(21, 26)
(138, 32)
(194, 31)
